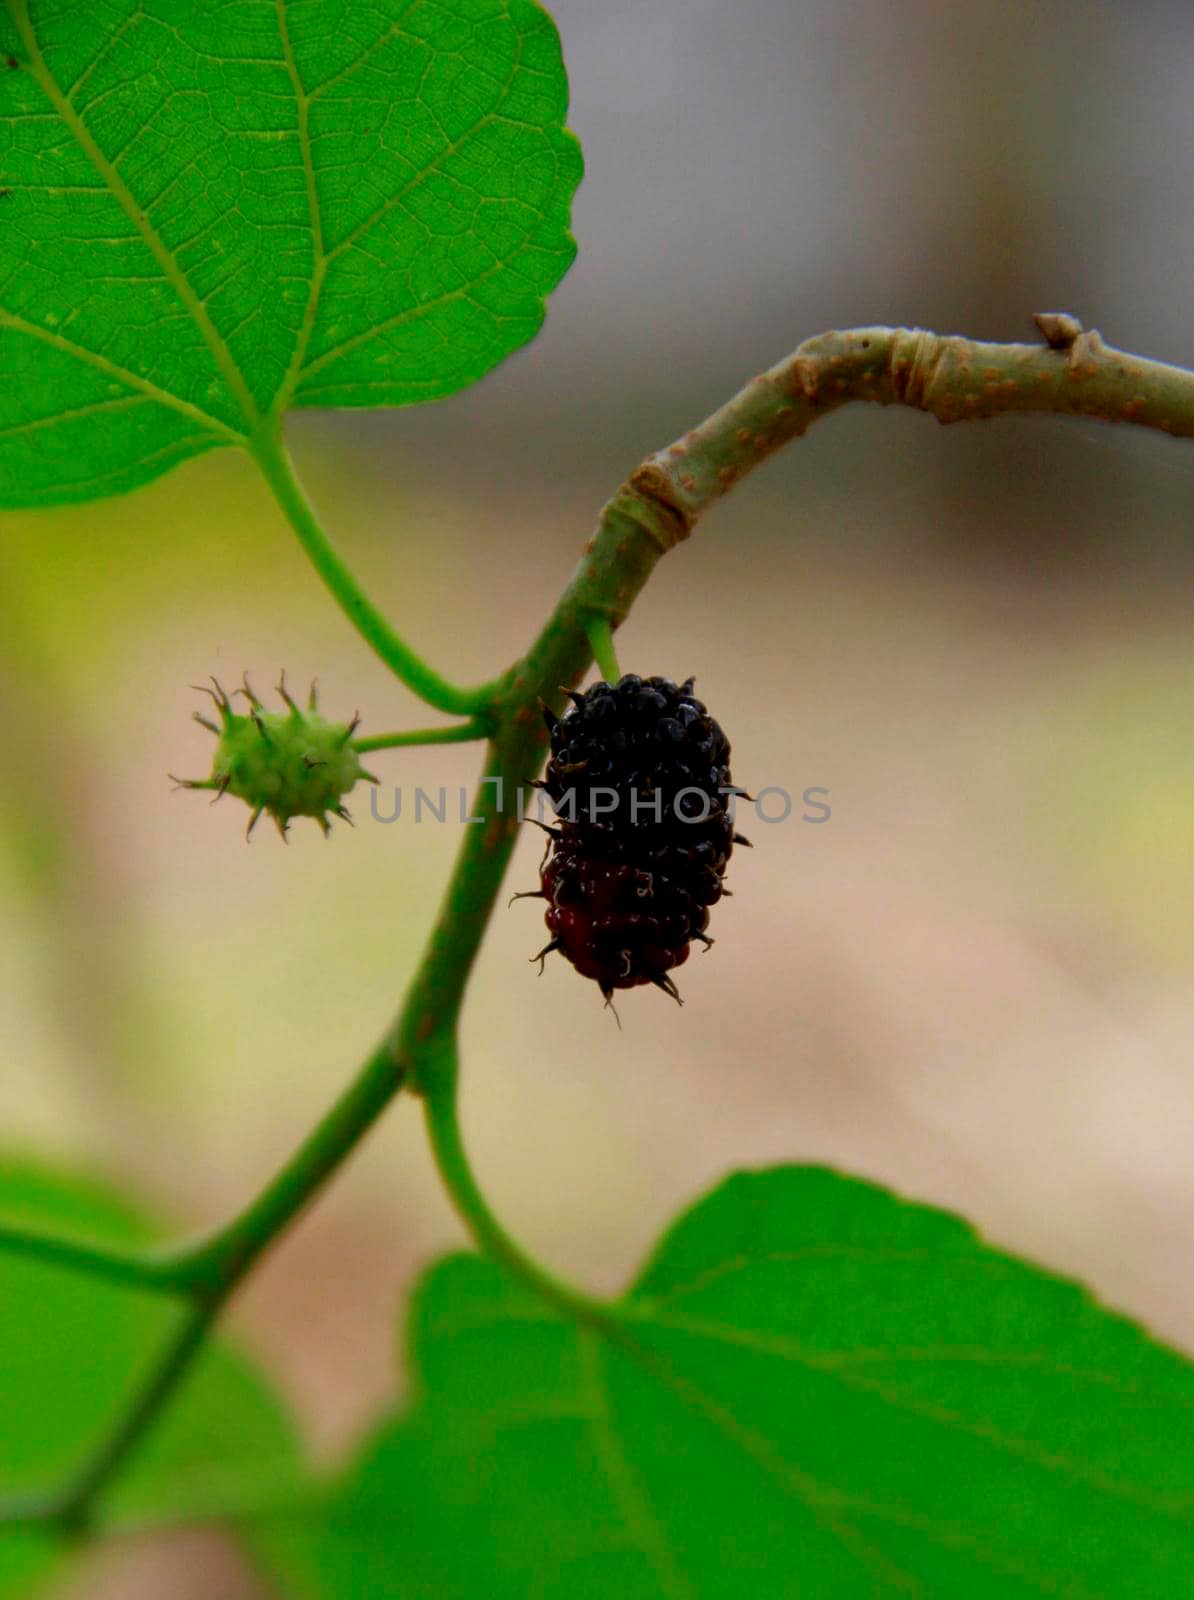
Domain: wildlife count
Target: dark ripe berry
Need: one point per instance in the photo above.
(641, 756)
(639, 777)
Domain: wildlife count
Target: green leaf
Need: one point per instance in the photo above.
(815, 1389)
(27, 1561)
(72, 1351)
(209, 213)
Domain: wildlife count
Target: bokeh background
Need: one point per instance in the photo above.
(973, 982)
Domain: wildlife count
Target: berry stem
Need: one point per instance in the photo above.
(601, 642)
(272, 457)
(952, 378)
(461, 733)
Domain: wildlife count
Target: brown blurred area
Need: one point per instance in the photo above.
(972, 982)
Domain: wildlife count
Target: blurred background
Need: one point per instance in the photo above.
(973, 982)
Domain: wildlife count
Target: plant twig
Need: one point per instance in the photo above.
(70, 1509)
(954, 379)
(214, 1265)
(1072, 373)
(73, 1510)
(132, 1268)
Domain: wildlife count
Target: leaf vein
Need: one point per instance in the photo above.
(822, 1501)
(626, 1486)
(125, 199)
(319, 260)
(451, 148)
(123, 375)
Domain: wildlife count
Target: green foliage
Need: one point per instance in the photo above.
(27, 1560)
(211, 214)
(814, 1388)
(72, 1352)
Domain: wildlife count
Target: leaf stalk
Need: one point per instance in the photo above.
(954, 379)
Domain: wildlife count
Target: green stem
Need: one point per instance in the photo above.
(462, 733)
(601, 641)
(1073, 373)
(443, 1130)
(214, 1266)
(635, 530)
(72, 1510)
(206, 1274)
(273, 458)
(217, 1265)
(133, 1269)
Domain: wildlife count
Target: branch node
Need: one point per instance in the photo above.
(916, 359)
(653, 484)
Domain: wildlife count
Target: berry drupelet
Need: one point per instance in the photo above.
(639, 777)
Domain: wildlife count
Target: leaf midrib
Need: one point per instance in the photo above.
(120, 192)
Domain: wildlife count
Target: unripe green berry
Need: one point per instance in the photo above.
(291, 763)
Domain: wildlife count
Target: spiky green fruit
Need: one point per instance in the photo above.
(291, 763)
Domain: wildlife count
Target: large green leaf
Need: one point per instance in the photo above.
(208, 212)
(818, 1390)
(71, 1354)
